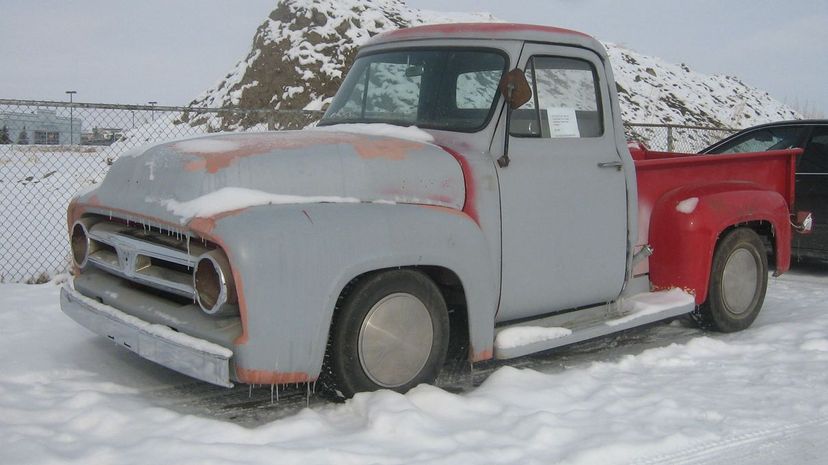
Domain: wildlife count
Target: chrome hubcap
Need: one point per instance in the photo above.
(741, 274)
(395, 340)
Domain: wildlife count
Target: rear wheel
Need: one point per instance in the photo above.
(738, 282)
(391, 332)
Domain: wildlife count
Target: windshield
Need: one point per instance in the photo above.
(445, 89)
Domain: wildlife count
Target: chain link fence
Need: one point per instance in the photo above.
(675, 138)
(50, 150)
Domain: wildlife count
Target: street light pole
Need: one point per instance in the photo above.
(71, 116)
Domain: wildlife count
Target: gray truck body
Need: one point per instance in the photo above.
(539, 238)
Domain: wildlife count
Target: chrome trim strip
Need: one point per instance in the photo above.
(132, 251)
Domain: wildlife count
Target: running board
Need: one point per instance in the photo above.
(528, 337)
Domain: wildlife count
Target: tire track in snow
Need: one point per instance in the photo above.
(794, 443)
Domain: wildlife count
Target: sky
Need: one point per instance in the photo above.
(169, 51)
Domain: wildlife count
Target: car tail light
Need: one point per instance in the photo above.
(804, 223)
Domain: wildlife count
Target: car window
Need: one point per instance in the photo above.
(815, 158)
(761, 140)
(565, 100)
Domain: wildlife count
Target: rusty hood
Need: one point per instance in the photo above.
(204, 176)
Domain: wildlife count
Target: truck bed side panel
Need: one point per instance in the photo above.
(687, 201)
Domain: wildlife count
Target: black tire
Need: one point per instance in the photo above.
(738, 282)
(390, 332)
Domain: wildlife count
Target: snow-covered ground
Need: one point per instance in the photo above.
(36, 183)
(664, 395)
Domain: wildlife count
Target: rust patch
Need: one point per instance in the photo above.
(384, 148)
(470, 202)
(214, 159)
(270, 377)
(487, 354)
(249, 145)
(205, 225)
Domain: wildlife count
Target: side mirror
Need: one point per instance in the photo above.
(515, 88)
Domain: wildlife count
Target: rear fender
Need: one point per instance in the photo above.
(686, 224)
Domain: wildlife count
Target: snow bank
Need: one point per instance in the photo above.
(665, 395)
(525, 335)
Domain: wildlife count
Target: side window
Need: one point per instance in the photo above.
(565, 100)
(762, 140)
(815, 158)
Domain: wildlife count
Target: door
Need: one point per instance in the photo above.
(812, 193)
(563, 197)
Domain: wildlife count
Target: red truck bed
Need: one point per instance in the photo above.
(695, 193)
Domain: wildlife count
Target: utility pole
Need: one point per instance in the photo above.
(71, 116)
(152, 103)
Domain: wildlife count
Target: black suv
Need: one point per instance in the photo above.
(811, 171)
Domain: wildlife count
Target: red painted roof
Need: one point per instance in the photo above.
(478, 29)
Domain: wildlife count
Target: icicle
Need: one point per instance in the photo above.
(307, 398)
(188, 247)
(271, 394)
(249, 386)
(471, 374)
(277, 393)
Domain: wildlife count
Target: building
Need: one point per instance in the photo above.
(43, 127)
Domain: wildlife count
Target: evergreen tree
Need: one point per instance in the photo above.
(4, 135)
(23, 137)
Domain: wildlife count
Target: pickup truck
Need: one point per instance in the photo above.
(469, 193)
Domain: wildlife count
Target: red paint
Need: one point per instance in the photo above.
(448, 210)
(483, 355)
(270, 377)
(477, 29)
(384, 148)
(205, 225)
(366, 147)
(469, 203)
(732, 189)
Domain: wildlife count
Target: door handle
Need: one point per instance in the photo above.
(611, 164)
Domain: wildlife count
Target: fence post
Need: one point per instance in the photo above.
(670, 138)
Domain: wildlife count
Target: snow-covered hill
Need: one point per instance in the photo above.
(301, 52)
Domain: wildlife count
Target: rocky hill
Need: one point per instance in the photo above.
(301, 52)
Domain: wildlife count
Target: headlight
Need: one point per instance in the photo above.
(80, 244)
(213, 282)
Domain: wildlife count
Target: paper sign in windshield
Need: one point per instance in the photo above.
(562, 122)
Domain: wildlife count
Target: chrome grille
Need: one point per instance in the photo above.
(162, 260)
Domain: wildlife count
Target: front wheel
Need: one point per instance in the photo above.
(738, 282)
(391, 332)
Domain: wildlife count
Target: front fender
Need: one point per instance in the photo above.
(292, 262)
(684, 238)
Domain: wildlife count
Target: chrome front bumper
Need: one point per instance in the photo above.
(191, 356)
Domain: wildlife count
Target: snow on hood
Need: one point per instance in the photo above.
(205, 176)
